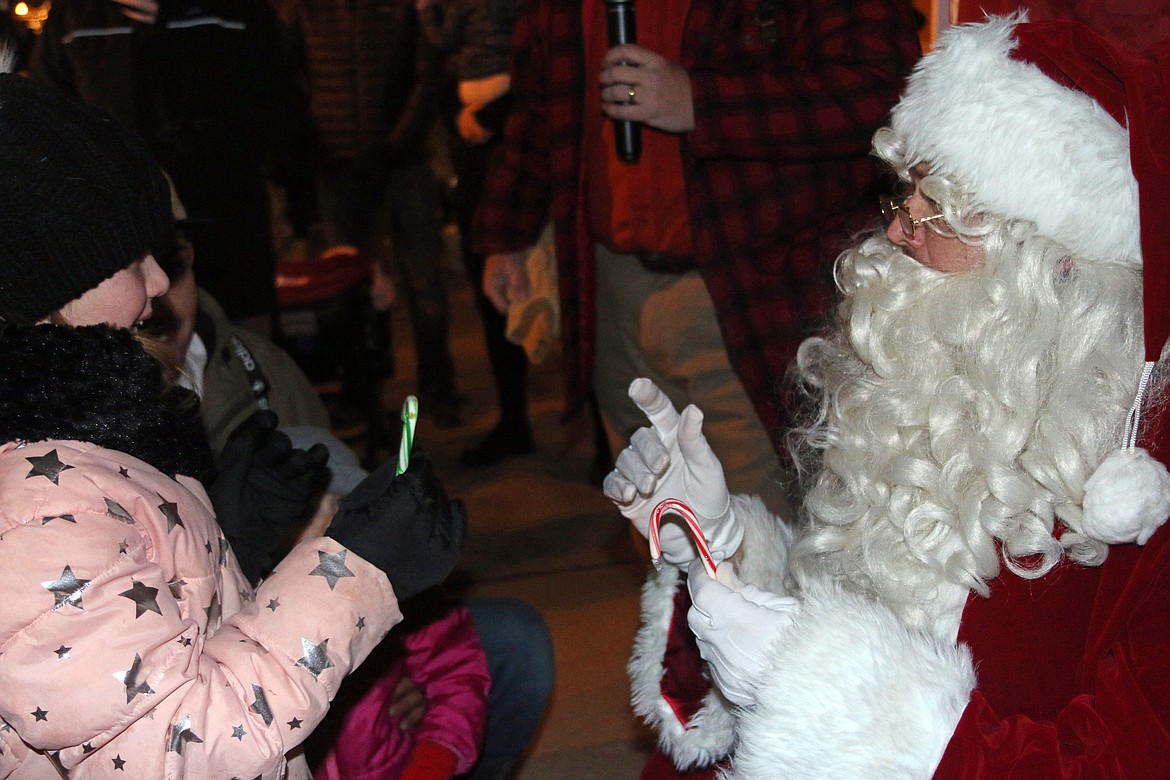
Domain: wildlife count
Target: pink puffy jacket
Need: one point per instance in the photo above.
(446, 662)
(132, 647)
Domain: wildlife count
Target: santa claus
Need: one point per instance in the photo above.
(978, 583)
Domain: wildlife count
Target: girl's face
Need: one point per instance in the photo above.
(123, 300)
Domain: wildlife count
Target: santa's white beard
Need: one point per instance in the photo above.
(962, 413)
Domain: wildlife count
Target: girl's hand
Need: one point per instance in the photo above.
(408, 705)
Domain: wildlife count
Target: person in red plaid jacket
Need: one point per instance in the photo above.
(704, 264)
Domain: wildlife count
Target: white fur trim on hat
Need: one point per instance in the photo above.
(1027, 147)
(1127, 498)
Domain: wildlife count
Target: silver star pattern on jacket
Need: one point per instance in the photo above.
(260, 706)
(66, 589)
(143, 597)
(68, 518)
(48, 466)
(117, 510)
(316, 657)
(129, 678)
(170, 511)
(70, 588)
(181, 735)
(332, 567)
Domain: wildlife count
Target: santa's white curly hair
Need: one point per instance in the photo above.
(960, 414)
(958, 417)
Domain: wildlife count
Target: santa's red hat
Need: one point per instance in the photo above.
(1051, 122)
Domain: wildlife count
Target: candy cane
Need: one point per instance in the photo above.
(409, 419)
(684, 511)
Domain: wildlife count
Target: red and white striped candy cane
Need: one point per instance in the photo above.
(684, 511)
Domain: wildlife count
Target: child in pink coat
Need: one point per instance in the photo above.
(131, 644)
(442, 657)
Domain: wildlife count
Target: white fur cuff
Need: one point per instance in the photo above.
(852, 692)
(766, 542)
(710, 734)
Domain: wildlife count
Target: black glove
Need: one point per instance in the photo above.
(404, 525)
(263, 489)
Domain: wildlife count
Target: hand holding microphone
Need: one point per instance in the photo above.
(643, 87)
(619, 15)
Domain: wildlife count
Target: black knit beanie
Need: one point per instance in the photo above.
(81, 198)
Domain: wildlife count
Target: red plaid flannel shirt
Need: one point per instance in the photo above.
(778, 169)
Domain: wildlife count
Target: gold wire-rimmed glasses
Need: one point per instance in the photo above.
(896, 207)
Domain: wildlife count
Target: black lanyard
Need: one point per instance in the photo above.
(256, 378)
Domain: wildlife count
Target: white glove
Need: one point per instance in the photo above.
(735, 624)
(672, 459)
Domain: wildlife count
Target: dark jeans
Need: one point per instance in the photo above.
(519, 653)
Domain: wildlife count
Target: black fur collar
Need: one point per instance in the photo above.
(97, 384)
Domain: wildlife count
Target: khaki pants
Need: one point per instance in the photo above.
(663, 327)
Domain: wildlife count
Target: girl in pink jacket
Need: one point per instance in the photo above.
(130, 643)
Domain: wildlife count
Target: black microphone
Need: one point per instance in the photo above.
(619, 16)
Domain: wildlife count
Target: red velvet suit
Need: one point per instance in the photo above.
(1074, 671)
